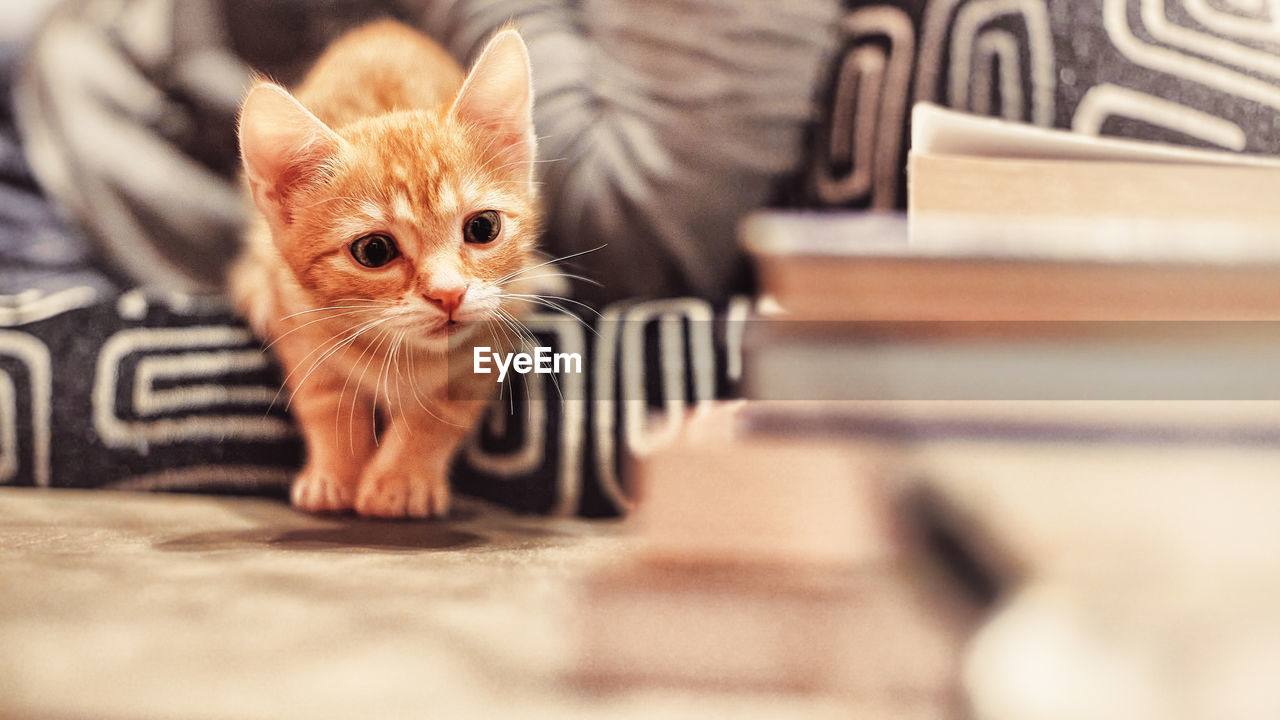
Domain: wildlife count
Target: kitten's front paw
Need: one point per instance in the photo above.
(400, 494)
(317, 491)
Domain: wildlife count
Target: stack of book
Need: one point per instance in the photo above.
(1051, 306)
(1074, 341)
(1044, 312)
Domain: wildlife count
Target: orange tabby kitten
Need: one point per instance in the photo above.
(395, 204)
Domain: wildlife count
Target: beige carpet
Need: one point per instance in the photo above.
(118, 605)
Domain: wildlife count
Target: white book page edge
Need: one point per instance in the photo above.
(940, 131)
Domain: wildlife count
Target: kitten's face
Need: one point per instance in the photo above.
(415, 220)
(418, 222)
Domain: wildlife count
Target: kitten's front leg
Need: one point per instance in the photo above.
(409, 474)
(340, 440)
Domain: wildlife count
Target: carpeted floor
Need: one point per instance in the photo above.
(117, 605)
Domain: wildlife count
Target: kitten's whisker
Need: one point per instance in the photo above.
(565, 275)
(369, 302)
(514, 340)
(518, 182)
(355, 397)
(520, 342)
(337, 349)
(548, 160)
(527, 339)
(511, 399)
(322, 309)
(383, 379)
(373, 414)
(552, 306)
(393, 364)
(352, 310)
(342, 394)
(331, 347)
(521, 328)
(506, 319)
(413, 381)
(413, 385)
(309, 323)
(552, 261)
(555, 381)
(396, 349)
(379, 383)
(326, 349)
(543, 302)
(557, 298)
(337, 342)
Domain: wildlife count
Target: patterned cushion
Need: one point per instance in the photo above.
(173, 393)
(1193, 72)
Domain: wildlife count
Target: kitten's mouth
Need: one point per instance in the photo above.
(449, 329)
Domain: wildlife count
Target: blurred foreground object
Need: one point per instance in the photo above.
(1143, 593)
(1124, 509)
(775, 562)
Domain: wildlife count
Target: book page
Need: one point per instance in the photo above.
(937, 130)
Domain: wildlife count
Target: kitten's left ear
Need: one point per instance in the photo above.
(497, 98)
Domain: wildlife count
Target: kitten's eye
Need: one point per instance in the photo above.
(374, 250)
(483, 227)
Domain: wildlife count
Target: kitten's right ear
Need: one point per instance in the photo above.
(284, 147)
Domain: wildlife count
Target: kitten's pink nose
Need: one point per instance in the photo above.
(447, 298)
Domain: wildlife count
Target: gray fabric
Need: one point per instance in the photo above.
(127, 111)
(661, 123)
(39, 251)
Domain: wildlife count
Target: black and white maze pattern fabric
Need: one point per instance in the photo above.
(1194, 72)
(172, 393)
